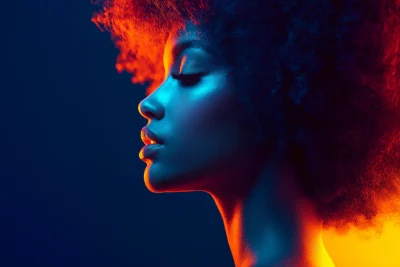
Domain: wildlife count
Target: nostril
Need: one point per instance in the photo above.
(150, 110)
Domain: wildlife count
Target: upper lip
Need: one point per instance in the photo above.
(149, 137)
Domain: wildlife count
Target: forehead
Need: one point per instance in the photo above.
(188, 36)
(187, 33)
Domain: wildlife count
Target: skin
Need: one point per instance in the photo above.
(209, 147)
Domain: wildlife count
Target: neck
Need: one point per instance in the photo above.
(270, 223)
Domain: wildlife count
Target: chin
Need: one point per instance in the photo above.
(159, 180)
(163, 180)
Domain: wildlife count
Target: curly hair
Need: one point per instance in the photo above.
(324, 75)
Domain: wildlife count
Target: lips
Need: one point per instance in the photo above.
(148, 137)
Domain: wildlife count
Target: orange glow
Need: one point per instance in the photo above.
(184, 59)
(140, 43)
(365, 249)
(373, 243)
(139, 30)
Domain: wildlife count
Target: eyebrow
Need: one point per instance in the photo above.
(181, 46)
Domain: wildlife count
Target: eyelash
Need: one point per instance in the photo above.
(188, 79)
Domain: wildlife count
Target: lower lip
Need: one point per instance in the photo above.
(149, 150)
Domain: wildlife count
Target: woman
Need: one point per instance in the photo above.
(285, 112)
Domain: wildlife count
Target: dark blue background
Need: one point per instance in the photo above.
(72, 191)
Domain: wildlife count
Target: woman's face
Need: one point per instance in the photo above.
(199, 119)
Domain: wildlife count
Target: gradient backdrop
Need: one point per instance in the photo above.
(71, 182)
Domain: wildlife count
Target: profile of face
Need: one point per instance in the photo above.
(199, 118)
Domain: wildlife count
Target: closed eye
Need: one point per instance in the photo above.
(188, 79)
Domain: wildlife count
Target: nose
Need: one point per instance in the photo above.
(150, 109)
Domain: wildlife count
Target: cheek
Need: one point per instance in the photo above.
(207, 124)
(212, 104)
